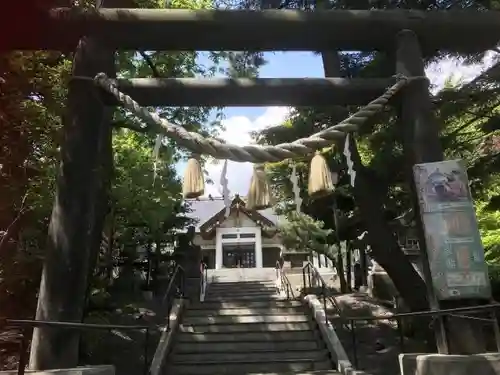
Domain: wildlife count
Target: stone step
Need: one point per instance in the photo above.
(245, 327)
(241, 294)
(243, 346)
(231, 291)
(213, 305)
(242, 283)
(246, 311)
(237, 288)
(250, 319)
(233, 286)
(319, 372)
(268, 280)
(240, 289)
(242, 297)
(249, 367)
(232, 357)
(221, 337)
(250, 292)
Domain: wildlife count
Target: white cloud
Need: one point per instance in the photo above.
(237, 131)
(238, 128)
(440, 71)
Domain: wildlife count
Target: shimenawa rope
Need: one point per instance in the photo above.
(196, 143)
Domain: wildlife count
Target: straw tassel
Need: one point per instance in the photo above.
(193, 185)
(320, 178)
(259, 195)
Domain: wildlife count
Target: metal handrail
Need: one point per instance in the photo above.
(68, 325)
(324, 286)
(398, 317)
(327, 296)
(176, 283)
(349, 322)
(27, 326)
(470, 309)
(401, 315)
(284, 282)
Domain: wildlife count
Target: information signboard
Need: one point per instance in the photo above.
(455, 251)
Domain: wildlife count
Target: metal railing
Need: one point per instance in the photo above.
(282, 282)
(433, 314)
(24, 328)
(312, 278)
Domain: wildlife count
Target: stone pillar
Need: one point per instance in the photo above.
(190, 262)
(258, 249)
(218, 250)
(192, 273)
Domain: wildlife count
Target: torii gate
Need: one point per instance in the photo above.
(96, 34)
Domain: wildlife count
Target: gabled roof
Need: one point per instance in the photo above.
(204, 209)
(237, 205)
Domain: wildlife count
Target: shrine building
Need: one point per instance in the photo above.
(245, 238)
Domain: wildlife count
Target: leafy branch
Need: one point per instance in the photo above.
(302, 233)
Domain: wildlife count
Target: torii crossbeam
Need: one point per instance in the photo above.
(158, 29)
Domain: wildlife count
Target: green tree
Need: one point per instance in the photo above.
(382, 188)
(300, 232)
(30, 105)
(33, 94)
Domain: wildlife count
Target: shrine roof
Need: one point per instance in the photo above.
(203, 209)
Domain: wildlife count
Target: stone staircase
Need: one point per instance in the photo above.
(243, 327)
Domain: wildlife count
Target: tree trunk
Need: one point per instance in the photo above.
(348, 266)
(149, 265)
(340, 270)
(156, 265)
(386, 251)
(385, 248)
(364, 270)
(73, 222)
(340, 256)
(383, 243)
(111, 244)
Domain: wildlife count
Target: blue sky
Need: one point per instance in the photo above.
(239, 121)
(283, 65)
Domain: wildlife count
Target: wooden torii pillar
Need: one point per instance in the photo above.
(76, 224)
(421, 144)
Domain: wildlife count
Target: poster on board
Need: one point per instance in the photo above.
(456, 254)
